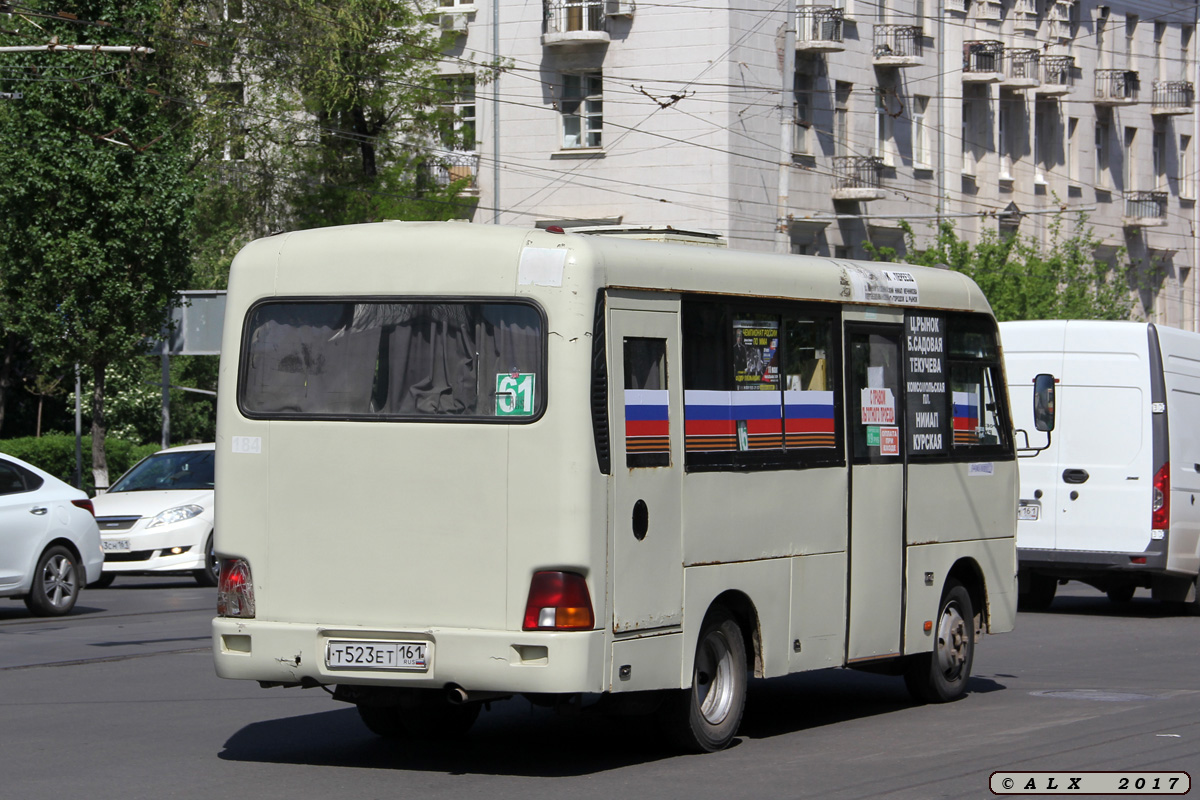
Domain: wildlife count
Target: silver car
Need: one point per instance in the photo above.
(49, 542)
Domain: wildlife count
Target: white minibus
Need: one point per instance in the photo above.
(462, 462)
(1111, 499)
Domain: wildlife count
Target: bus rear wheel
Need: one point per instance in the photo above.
(941, 676)
(705, 718)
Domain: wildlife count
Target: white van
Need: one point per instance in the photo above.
(1111, 500)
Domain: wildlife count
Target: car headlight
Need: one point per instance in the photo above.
(177, 514)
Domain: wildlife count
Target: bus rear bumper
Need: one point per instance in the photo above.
(476, 660)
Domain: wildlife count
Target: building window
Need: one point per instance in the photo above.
(1103, 180)
(1004, 135)
(1073, 150)
(1159, 156)
(1130, 173)
(1160, 32)
(1131, 22)
(920, 133)
(1185, 50)
(229, 98)
(582, 110)
(841, 119)
(459, 101)
(802, 132)
(1187, 177)
(884, 127)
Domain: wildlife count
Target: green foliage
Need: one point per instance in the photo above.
(320, 113)
(95, 199)
(55, 453)
(1022, 279)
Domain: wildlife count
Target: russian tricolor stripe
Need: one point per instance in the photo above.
(966, 418)
(711, 419)
(647, 421)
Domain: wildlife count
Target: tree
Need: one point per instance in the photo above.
(318, 112)
(1024, 279)
(95, 201)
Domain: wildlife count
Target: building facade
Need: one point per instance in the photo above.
(818, 128)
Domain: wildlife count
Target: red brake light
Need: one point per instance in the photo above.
(1160, 508)
(235, 589)
(86, 505)
(558, 601)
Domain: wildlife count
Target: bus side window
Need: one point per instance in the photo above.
(760, 385)
(647, 403)
(977, 395)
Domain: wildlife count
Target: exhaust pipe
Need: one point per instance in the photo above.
(458, 696)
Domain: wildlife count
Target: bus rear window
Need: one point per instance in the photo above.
(393, 360)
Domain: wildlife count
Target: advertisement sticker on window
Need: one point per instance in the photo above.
(514, 394)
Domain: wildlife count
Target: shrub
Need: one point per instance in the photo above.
(55, 453)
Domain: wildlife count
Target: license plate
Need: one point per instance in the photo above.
(1028, 512)
(344, 654)
(113, 545)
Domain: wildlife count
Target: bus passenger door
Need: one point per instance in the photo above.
(876, 549)
(647, 452)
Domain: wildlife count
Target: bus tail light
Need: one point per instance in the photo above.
(235, 589)
(1160, 509)
(559, 601)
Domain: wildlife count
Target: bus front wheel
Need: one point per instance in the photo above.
(705, 717)
(941, 676)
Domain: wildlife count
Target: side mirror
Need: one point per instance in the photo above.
(1043, 402)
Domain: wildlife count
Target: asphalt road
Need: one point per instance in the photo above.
(119, 700)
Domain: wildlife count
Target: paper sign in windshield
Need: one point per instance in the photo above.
(878, 407)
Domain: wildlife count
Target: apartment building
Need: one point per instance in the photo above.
(806, 128)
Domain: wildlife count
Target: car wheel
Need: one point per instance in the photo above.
(105, 580)
(212, 566)
(705, 718)
(56, 583)
(1040, 595)
(941, 676)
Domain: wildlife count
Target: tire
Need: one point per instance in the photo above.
(430, 717)
(1121, 594)
(705, 718)
(941, 676)
(1040, 595)
(104, 581)
(57, 580)
(212, 566)
(1192, 609)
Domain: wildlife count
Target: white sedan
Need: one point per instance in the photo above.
(158, 517)
(49, 544)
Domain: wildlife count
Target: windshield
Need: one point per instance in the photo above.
(185, 470)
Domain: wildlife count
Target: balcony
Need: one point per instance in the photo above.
(1021, 68)
(1116, 87)
(1058, 76)
(446, 168)
(898, 46)
(983, 61)
(575, 22)
(1145, 210)
(1173, 97)
(819, 29)
(857, 178)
